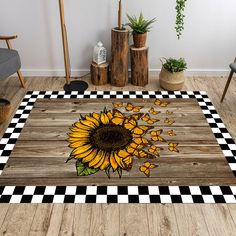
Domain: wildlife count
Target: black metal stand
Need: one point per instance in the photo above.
(78, 85)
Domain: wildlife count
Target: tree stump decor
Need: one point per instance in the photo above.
(119, 57)
(99, 73)
(139, 66)
(5, 107)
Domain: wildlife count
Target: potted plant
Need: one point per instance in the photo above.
(140, 27)
(172, 75)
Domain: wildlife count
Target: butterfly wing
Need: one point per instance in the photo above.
(173, 147)
(117, 104)
(118, 117)
(137, 108)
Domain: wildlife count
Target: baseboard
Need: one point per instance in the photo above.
(81, 72)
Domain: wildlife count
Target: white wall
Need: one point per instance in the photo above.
(208, 43)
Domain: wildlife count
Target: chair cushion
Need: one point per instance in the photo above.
(233, 67)
(9, 62)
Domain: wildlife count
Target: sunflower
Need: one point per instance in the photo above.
(109, 140)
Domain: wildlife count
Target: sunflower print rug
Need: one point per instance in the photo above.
(111, 141)
(117, 147)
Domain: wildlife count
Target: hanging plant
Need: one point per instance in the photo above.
(180, 7)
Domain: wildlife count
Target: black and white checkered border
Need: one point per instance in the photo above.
(118, 194)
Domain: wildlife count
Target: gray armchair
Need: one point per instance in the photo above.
(232, 71)
(10, 61)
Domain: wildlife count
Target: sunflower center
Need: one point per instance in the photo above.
(111, 137)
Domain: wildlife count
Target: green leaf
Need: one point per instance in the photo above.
(107, 171)
(119, 171)
(84, 170)
(140, 25)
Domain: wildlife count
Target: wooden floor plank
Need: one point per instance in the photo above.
(162, 220)
(3, 212)
(232, 210)
(41, 220)
(82, 219)
(60, 119)
(134, 220)
(61, 149)
(18, 219)
(81, 181)
(67, 222)
(55, 220)
(190, 220)
(218, 219)
(183, 167)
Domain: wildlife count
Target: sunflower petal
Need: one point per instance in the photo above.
(104, 118)
(101, 161)
(81, 126)
(72, 140)
(82, 149)
(109, 115)
(106, 162)
(84, 154)
(88, 123)
(113, 162)
(90, 156)
(79, 135)
(78, 144)
(96, 116)
(93, 120)
(119, 161)
(97, 158)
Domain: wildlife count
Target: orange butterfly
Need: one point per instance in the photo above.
(145, 168)
(156, 135)
(169, 122)
(139, 143)
(152, 111)
(118, 117)
(134, 150)
(135, 116)
(118, 104)
(160, 103)
(138, 131)
(148, 119)
(173, 147)
(155, 150)
(131, 107)
(171, 133)
(169, 112)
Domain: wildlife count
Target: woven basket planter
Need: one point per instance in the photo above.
(171, 81)
(5, 107)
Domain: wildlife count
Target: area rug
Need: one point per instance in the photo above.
(117, 147)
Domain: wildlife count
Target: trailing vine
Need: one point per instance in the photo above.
(180, 7)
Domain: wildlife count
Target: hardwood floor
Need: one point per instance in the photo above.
(114, 219)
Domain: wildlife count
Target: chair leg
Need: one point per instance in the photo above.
(21, 78)
(227, 85)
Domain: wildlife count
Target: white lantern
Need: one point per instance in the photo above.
(99, 54)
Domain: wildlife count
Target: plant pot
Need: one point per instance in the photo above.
(139, 40)
(171, 81)
(5, 107)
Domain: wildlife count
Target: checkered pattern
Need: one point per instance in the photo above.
(118, 194)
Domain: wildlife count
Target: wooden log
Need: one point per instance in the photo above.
(99, 73)
(139, 66)
(5, 107)
(119, 57)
